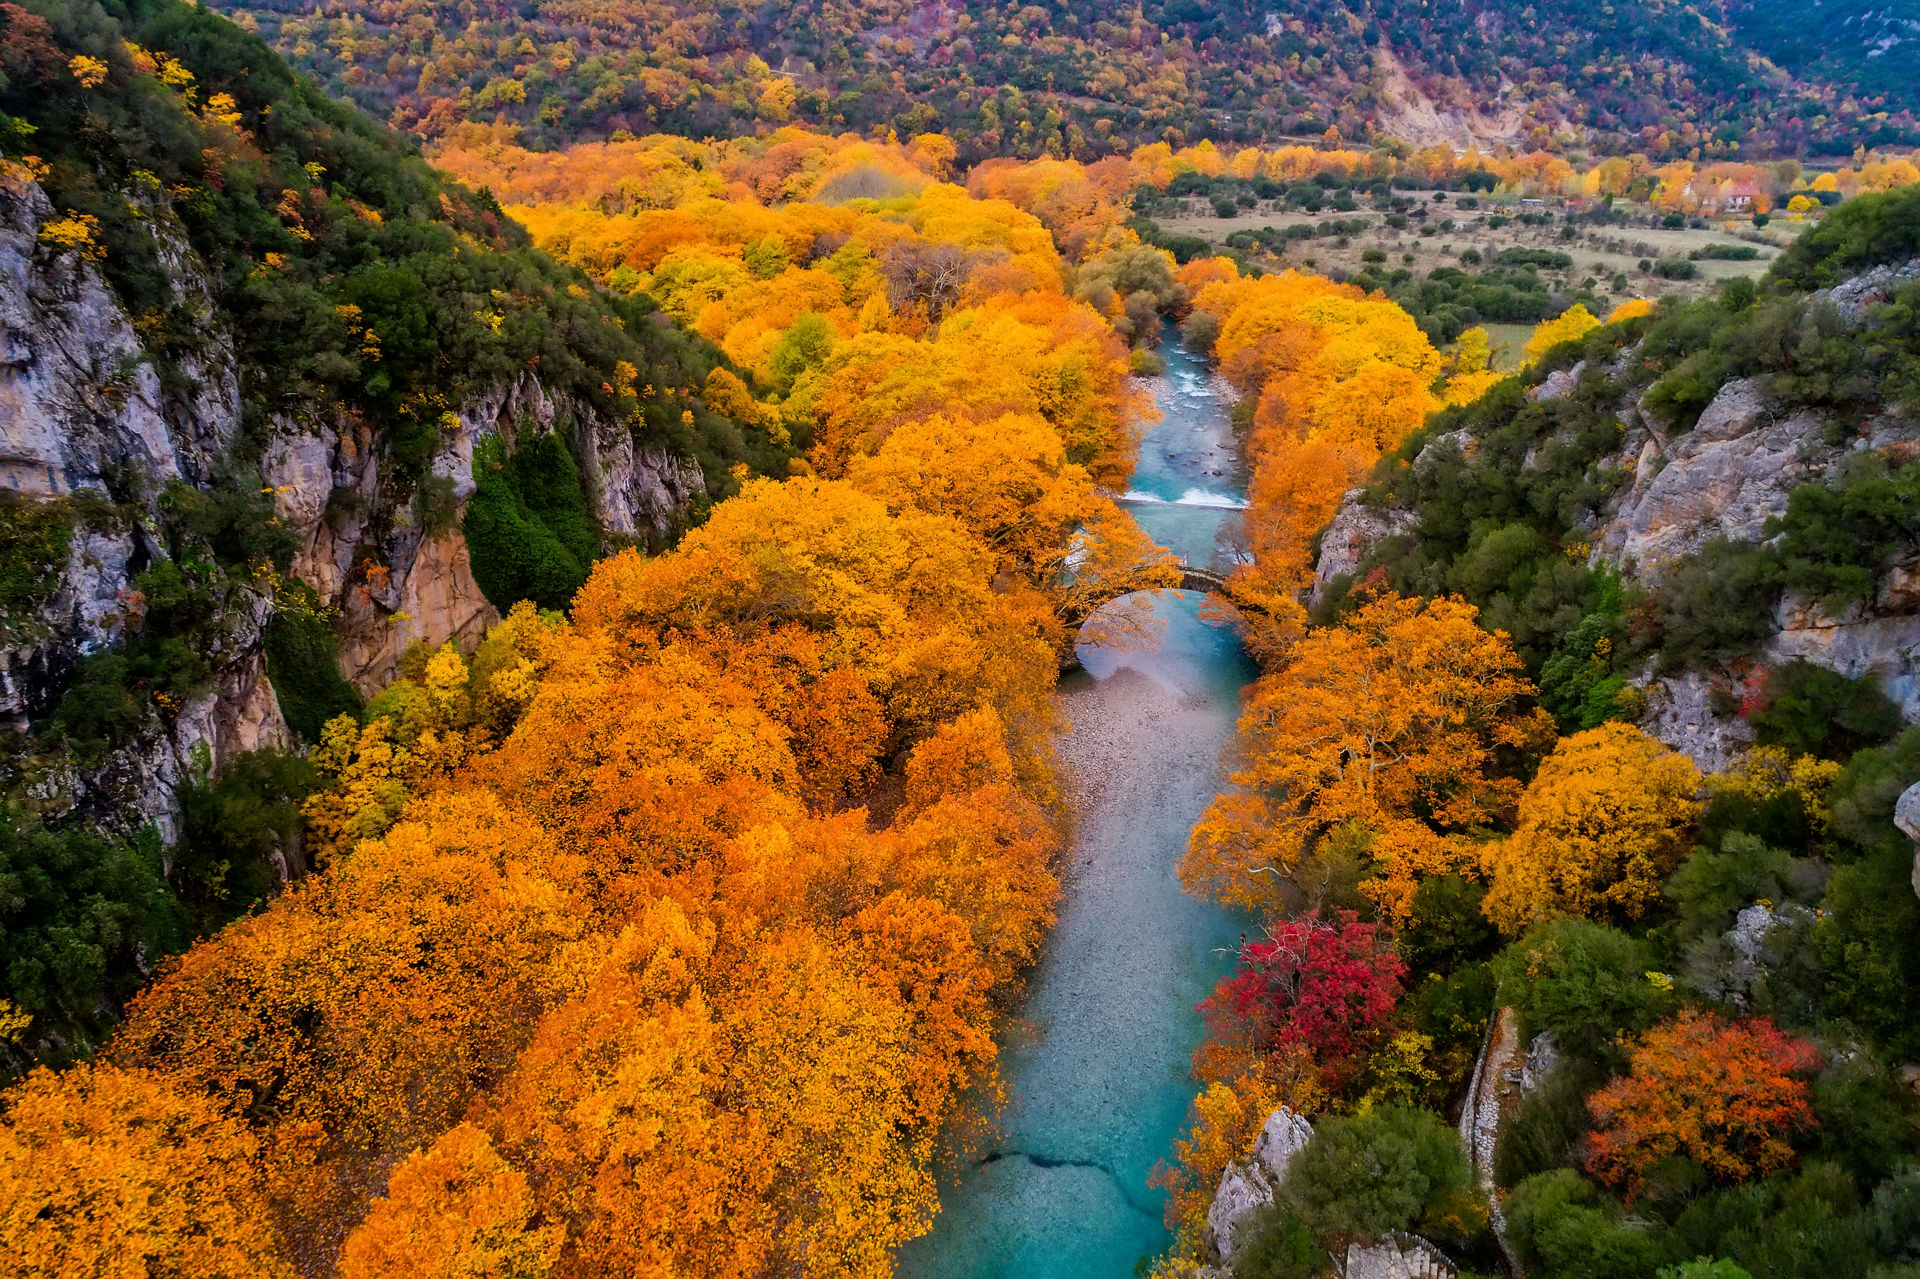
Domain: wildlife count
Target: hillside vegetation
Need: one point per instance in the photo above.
(669, 918)
(1065, 79)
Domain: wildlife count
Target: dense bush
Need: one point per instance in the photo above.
(303, 661)
(1811, 710)
(1584, 982)
(82, 919)
(34, 535)
(528, 526)
(1860, 234)
(1561, 1226)
(1447, 301)
(1544, 1132)
(1360, 1177)
(1838, 539)
(235, 832)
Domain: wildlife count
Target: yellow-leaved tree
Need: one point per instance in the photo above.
(1377, 740)
(1575, 322)
(1603, 823)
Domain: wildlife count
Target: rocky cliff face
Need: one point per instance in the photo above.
(1725, 478)
(393, 583)
(1675, 492)
(91, 421)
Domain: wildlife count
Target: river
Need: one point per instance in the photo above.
(1096, 1065)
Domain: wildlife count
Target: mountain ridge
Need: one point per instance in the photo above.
(1023, 80)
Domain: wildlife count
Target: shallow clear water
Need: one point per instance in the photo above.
(1097, 1071)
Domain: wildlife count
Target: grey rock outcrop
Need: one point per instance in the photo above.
(1725, 478)
(1356, 530)
(1906, 815)
(80, 398)
(1855, 298)
(85, 411)
(1245, 1187)
(1882, 641)
(392, 583)
(1680, 713)
(1557, 384)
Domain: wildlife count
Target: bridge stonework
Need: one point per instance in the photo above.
(1202, 579)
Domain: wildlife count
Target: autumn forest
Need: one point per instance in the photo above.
(552, 677)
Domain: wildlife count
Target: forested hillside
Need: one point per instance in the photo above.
(1866, 44)
(1065, 79)
(1660, 958)
(253, 346)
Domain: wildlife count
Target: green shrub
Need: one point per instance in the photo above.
(1273, 1244)
(1711, 887)
(1805, 1225)
(81, 918)
(1836, 540)
(1585, 982)
(1862, 798)
(1703, 1268)
(303, 661)
(1199, 332)
(1862, 233)
(233, 832)
(1548, 259)
(1544, 1132)
(34, 535)
(1811, 710)
(529, 529)
(1716, 605)
(1391, 1168)
(1561, 1227)
(1447, 929)
(1869, 1119)
(1675, 269)
(1869, 945)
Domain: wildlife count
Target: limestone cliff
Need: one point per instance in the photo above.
(1649, 500)
(96, 424)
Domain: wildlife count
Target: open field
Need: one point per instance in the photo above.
(1450, 234)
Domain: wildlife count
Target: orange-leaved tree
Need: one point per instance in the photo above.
(454, 1210)
(1725, 1095)
(105, 1171)
(1600, 827)
(1387, 727)
(1336, 377)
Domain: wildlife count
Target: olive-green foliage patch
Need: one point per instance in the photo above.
(529, 529)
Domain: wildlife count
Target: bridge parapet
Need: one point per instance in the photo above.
(1194, 578)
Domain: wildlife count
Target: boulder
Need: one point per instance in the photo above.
(1557, 384)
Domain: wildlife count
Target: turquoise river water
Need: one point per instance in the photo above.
(1097, 1064)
